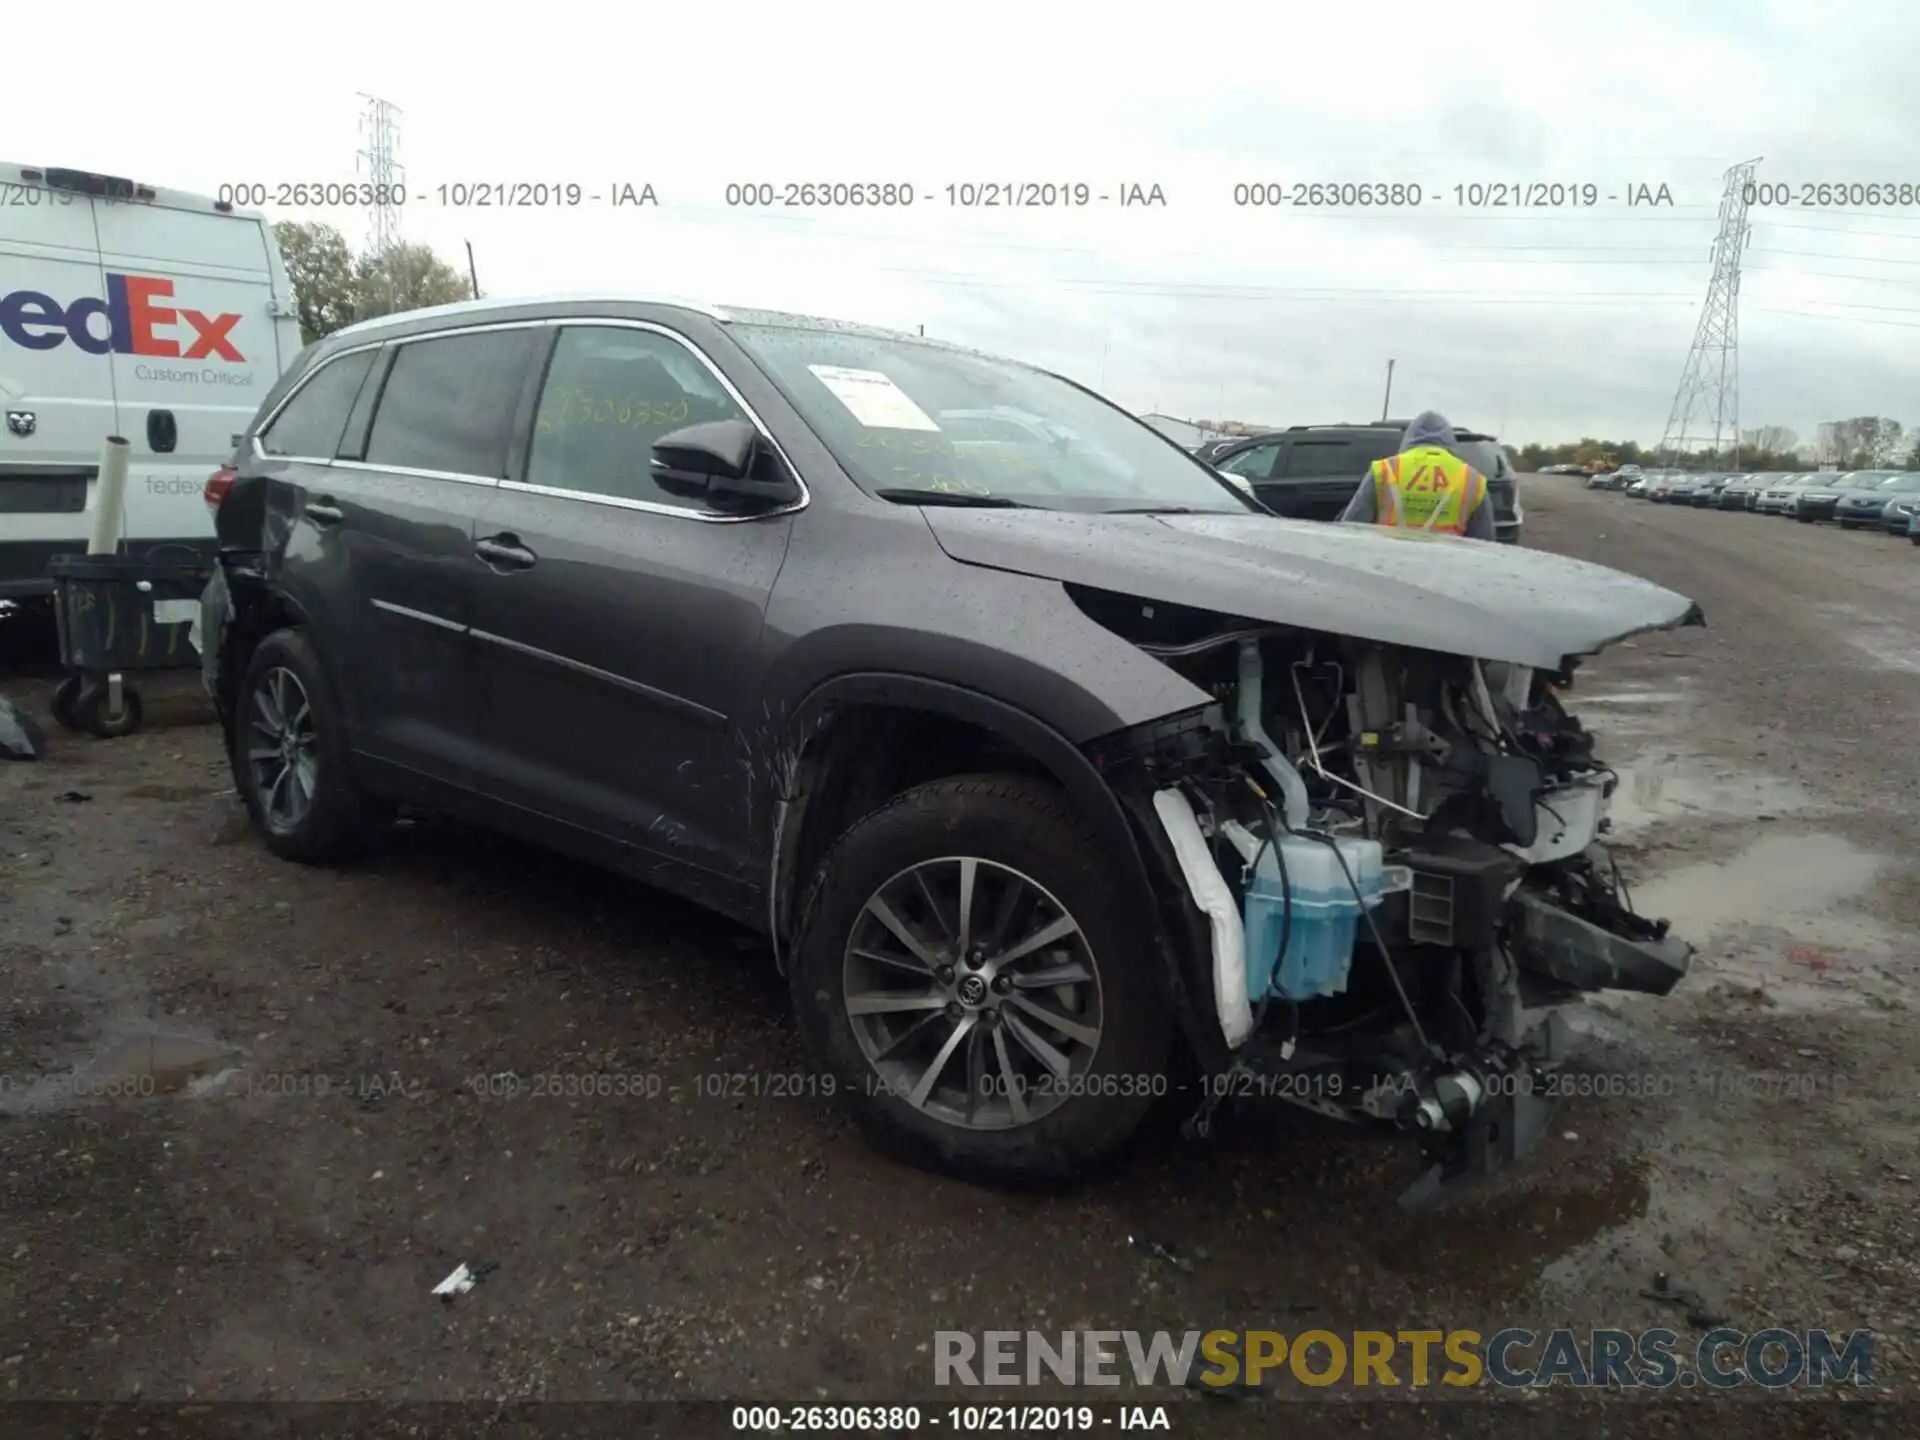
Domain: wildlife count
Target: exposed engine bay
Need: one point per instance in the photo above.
(1400, 858)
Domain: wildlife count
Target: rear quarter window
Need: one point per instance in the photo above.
(448, 403)
(311, 423)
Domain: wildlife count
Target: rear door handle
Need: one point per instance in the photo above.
(506, 552)
(323, 511)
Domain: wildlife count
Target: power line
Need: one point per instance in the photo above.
(1855, 305)
(1205, 291)
(1829, 255)
(1843, 230)
(1831, 275)
(1855, 319)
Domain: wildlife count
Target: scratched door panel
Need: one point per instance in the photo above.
(617, 667)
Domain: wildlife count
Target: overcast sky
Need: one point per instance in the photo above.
(1548, 324)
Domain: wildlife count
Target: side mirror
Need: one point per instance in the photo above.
(715, 461)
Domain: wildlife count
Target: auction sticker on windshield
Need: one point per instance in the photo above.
(873, 399)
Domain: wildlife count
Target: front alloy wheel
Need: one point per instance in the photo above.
(974, 974)
(972, 992)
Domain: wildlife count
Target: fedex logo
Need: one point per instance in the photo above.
(135, 315)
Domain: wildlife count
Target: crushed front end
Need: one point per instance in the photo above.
(1399, 859)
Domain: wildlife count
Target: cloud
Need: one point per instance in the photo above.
(1553, 321)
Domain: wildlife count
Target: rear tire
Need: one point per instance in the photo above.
(291, 757)
(870, 1006)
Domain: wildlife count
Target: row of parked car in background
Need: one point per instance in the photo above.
(1886, 500)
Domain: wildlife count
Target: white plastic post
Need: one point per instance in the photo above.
(109, 497)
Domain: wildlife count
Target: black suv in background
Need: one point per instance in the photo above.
(1309, 472)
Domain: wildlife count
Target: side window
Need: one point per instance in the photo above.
(610, 392)
(1324, 458)
(448, 404)
(1255, 464)
(312, 421)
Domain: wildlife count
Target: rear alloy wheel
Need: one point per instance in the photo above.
(964, 975)
(282, 754)
(291, 759)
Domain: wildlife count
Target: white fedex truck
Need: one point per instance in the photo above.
(126, 310)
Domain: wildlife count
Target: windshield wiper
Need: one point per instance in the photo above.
(903, 496)
(1166, 510)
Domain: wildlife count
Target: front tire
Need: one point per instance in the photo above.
(964, 976)
(291, 757)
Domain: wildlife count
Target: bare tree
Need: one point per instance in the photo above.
(1770, 439)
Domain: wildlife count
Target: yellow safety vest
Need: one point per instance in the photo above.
(1427, 488)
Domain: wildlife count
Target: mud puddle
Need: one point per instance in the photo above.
(1660, 786)
(135, 1068)
(1777, 916)
(1510, 1242)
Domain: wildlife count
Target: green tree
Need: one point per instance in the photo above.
(322, 271)
(408, 277)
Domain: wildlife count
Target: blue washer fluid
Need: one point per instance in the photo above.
(1326, 915)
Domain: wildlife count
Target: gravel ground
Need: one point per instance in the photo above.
(674, 1213)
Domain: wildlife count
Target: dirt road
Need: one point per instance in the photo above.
(673, 1211)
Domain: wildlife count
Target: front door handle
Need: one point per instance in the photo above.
(322, 511)
(505, 552)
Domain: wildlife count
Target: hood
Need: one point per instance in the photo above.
(1398, 587)
(1429, 427)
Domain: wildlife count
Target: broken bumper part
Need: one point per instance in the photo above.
(1553, 942)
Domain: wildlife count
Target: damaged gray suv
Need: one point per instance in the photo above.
(1066, 782)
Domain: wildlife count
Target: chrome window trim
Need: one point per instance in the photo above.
(253, 436)
(484, 306)
(618, 502)
(307, 379)
(653, 507)
(415, 473)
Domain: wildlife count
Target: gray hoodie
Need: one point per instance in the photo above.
(1429, 427)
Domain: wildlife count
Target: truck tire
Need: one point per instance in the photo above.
(963, 977)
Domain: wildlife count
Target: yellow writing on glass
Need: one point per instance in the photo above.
(915, 443)
(566, 407)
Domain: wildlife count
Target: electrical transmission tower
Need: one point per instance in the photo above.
(378, 160)
(1709, 395)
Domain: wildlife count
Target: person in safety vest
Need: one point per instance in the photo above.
(1426, 486)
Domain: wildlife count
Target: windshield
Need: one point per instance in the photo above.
(1903, 484)
(906, 417)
